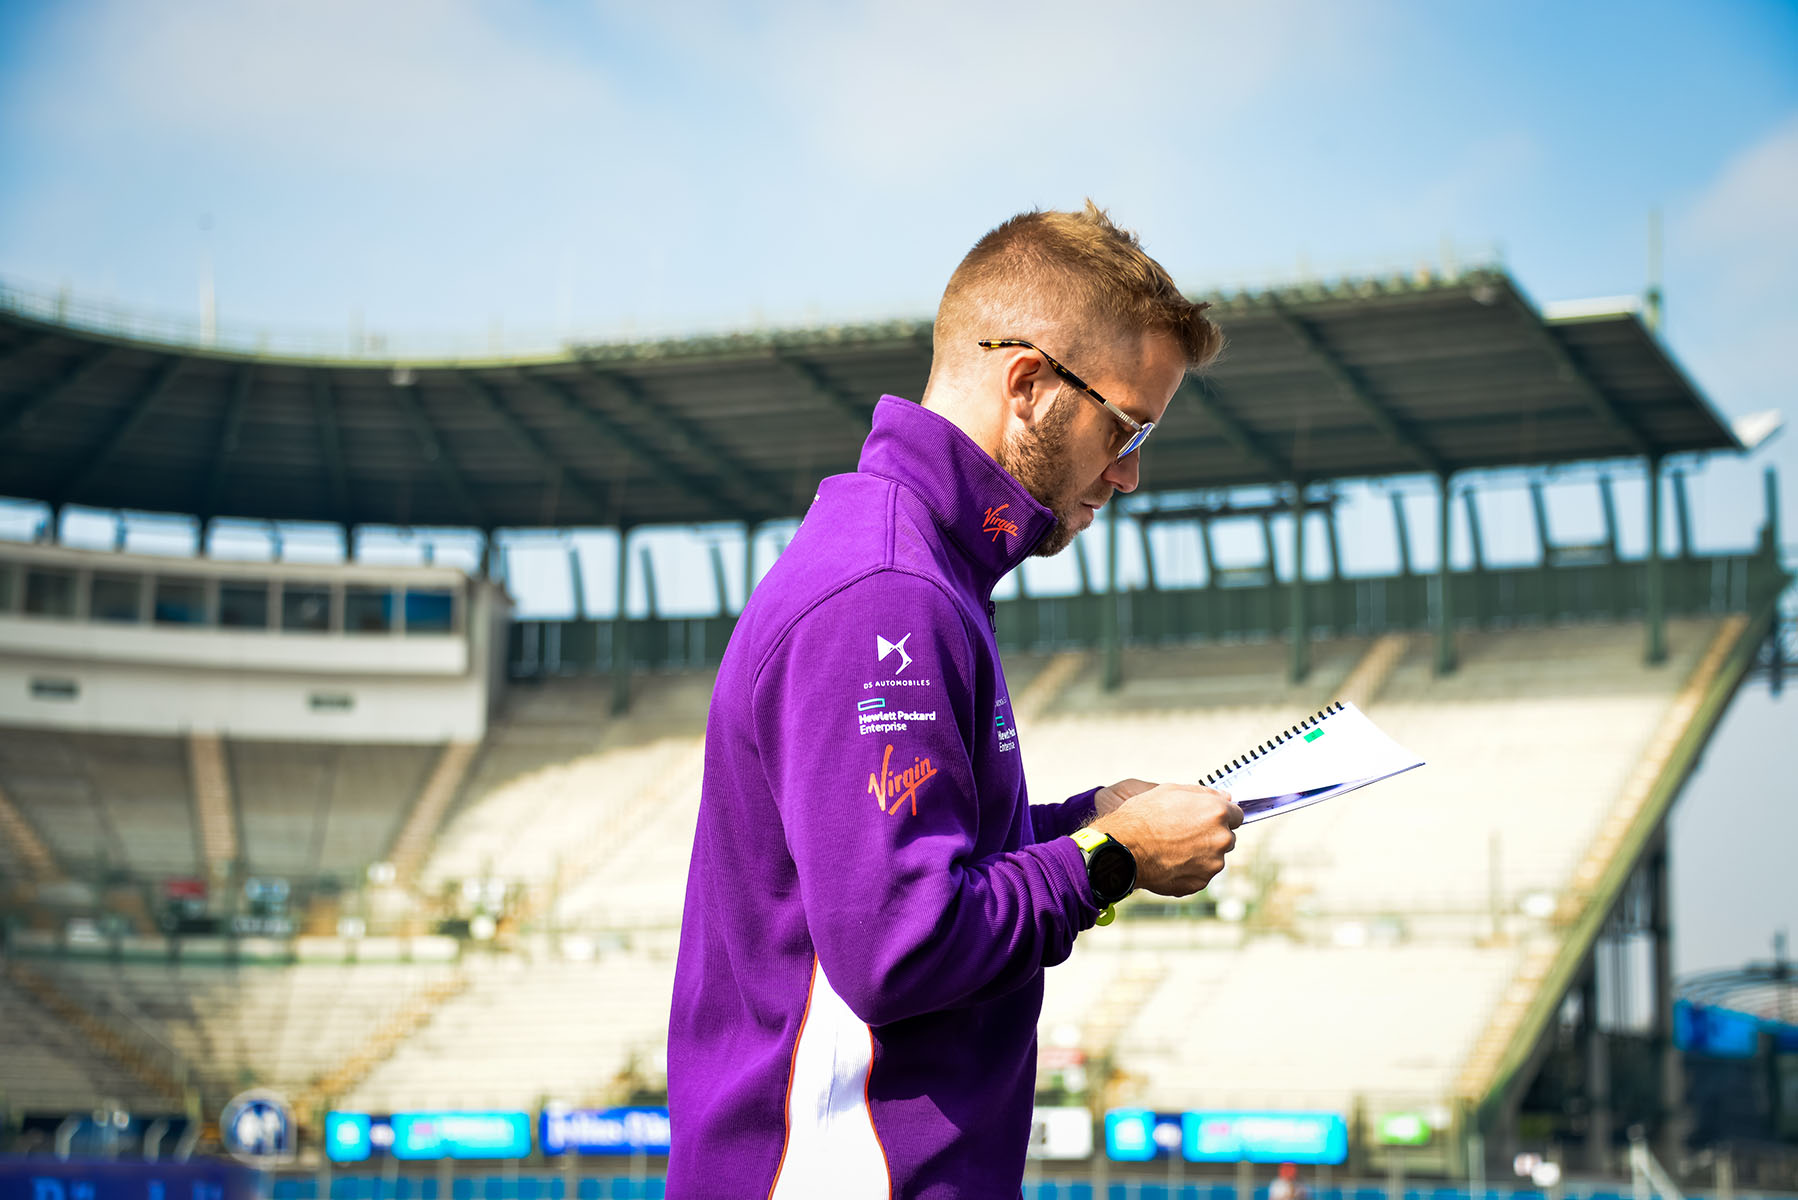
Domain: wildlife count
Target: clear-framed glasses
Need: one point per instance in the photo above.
(1135, 432)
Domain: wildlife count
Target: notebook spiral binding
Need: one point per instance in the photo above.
(1296, 731)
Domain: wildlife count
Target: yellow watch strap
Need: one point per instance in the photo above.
(1090, 839)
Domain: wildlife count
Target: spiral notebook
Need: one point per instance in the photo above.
(1328, 753)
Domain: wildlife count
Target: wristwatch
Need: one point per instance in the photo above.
(1110, 870)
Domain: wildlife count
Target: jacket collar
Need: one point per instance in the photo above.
(983, 509)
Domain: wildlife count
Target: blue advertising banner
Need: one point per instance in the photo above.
(636, 1130)
(1139, 1135)
(461, 1135)
(1716, 1032)
(1265, 1137)
(356, 1137)
(51, 1179)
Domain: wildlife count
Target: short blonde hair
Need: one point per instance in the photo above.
(1074, 276)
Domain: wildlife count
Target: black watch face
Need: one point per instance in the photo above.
(1112, 872)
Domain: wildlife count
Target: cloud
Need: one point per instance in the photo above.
(885, 89)
(323, 83)
(1745, 224)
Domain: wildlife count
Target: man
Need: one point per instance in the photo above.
(872, 900)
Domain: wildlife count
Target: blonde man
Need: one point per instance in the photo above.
(873, 900)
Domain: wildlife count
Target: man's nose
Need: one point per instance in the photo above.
(1124, 473)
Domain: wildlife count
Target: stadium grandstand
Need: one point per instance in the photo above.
(354, 834)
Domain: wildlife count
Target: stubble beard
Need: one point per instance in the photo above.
(1037, 458)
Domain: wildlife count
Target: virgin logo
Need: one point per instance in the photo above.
(898, 789)
(996, 524)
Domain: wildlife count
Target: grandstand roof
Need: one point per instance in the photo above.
(1364, 378)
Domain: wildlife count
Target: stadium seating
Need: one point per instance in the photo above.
(524, 1032)
(102, 800)
(1376, 926)
(1376, 943)
(236, 1026)
(1280, 1025)
(49, 1067)
(308, 810)
(561, 785)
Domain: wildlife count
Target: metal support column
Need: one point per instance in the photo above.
(576, 585)
(1545, 543)
(1301, 644)
(1401, 532)
(1445, 616)
(1109, 615)
(1212, 599)
(1613, 540)
(1682, 515)
(748, 561)
(652, 606)
(1150, 581)
(1598, 1075)
(1476, 543)
(719, 581)
(1272, 590)
(1655, 584)
(1671, 1134)
(1340, 608)
(1771, 532)
(489, 553)
(621, 629)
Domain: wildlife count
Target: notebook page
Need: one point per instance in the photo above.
(1338, 753)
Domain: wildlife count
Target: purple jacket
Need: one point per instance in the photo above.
(872, 899)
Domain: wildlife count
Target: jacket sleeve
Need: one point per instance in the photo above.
(1050, 821)
(881, 814)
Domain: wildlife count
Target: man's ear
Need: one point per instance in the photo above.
(1022, 382)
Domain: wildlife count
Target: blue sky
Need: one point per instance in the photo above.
(516, 173)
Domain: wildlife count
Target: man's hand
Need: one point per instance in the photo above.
(1179, 832)
(1106, 799)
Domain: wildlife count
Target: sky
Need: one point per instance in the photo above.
(510, 175)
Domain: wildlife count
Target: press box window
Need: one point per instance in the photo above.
(115, 598)
(180, 602)
(243, 605)
(367, 610)
(332, 701)
(306, 609)
(430, 611)
(9, 580)
(50, 593)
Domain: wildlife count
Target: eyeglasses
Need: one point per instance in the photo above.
(1136, 432)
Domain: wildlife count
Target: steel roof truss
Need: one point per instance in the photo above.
(609, 429)
(330, 446)
(1394, 430)
(81, 476)
(687, 438)
(1207, 396)
(1569, 369)
(20, 349)
(23, 411)
(826, 391)
(559, 476)
(226, 446)
(405, 397)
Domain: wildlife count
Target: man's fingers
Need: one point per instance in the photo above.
(1233, 814)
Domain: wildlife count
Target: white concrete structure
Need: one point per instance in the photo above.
(120, 643)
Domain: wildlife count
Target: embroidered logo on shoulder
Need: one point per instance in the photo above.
(996, 524)
(882, 648)
(898, 788)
